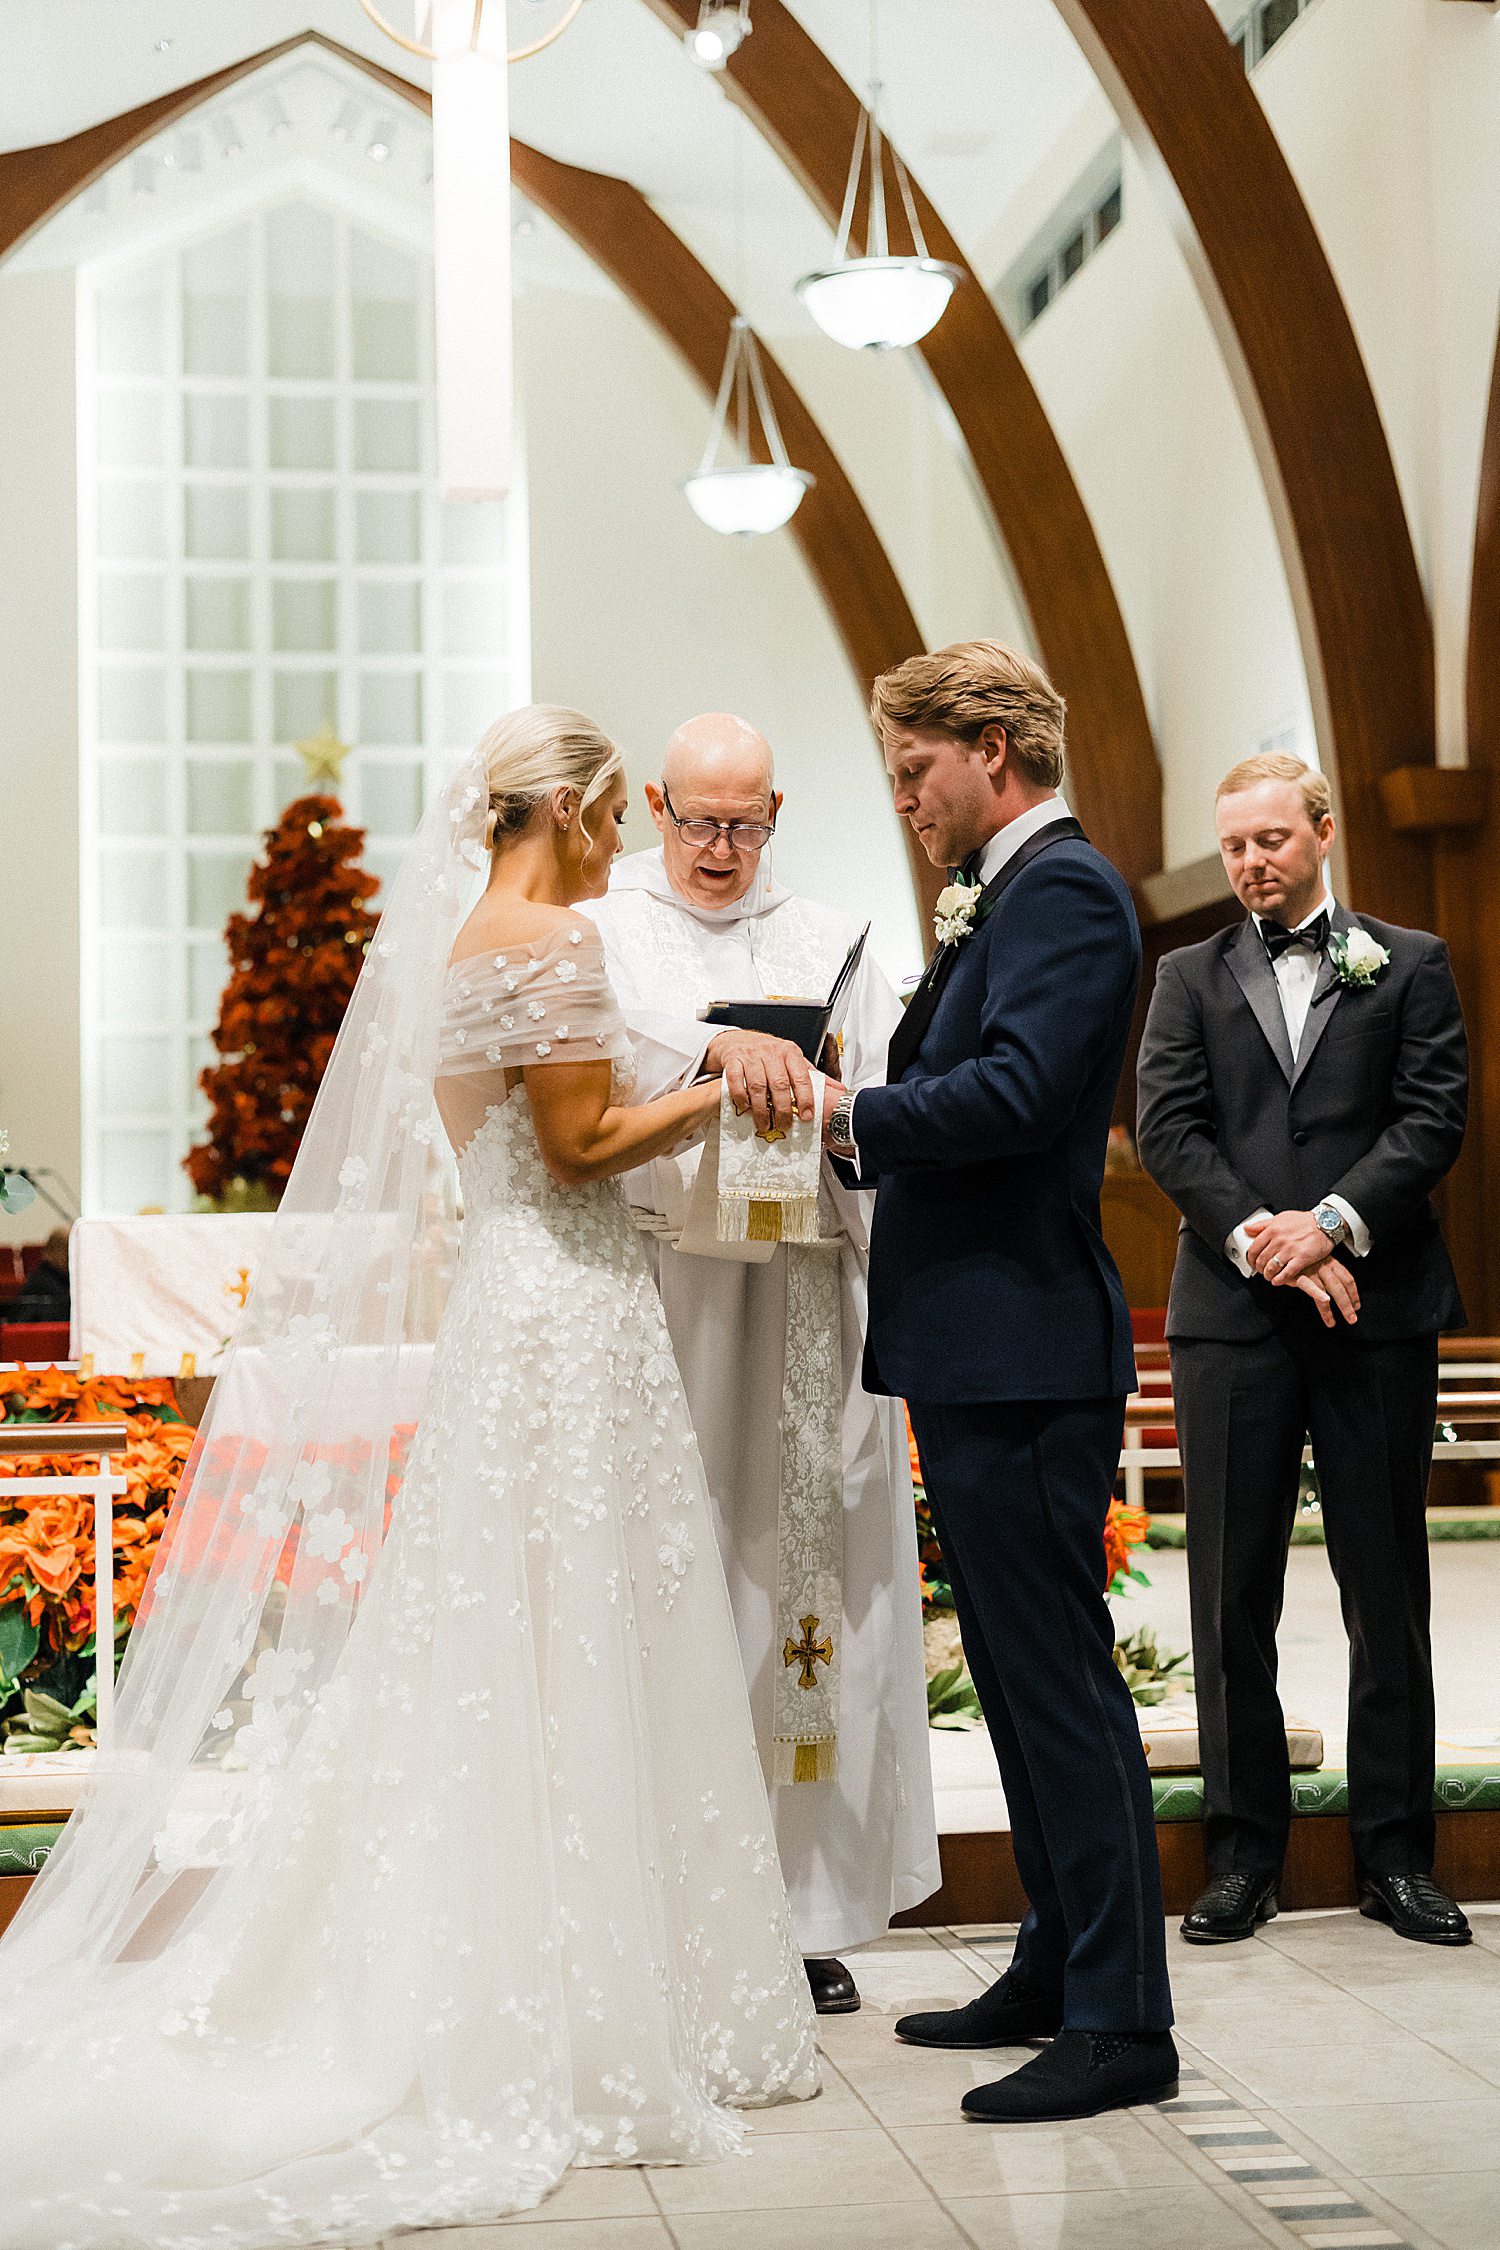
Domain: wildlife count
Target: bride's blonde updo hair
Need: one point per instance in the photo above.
(531, 752)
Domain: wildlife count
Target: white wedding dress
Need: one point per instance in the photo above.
(507, 1900)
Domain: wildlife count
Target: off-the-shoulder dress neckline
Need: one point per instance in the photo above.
(510, 956)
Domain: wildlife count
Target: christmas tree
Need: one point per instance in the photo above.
(294, 958)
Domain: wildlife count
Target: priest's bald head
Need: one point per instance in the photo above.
(716, 804)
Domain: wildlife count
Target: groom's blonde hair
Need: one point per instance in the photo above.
(972, 685)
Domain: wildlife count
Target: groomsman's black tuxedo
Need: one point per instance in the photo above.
(1371, 1109)
(996, 1311)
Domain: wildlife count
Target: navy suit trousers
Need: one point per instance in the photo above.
(1019, 1493)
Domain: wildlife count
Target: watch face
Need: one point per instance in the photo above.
(1330, 1222)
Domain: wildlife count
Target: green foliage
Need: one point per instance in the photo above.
(19, 1642)
(1149, 1671)
(952, 1700)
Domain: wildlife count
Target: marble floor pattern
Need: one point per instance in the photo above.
(1341, 2089)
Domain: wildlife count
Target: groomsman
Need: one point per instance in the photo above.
(1303, 1089)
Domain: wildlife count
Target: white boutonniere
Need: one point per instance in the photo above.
(1357, 958)
(953, 917)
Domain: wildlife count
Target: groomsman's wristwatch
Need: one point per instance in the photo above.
(841, 1126)
(1333, 1223)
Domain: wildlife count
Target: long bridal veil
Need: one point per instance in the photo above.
(281, 1514)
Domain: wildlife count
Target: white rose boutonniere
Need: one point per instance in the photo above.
(953, 916)
(1358, 959)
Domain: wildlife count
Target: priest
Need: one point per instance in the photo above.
(810, 1475)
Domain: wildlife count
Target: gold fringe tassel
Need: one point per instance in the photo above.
(802, 1761)
(741, 1219)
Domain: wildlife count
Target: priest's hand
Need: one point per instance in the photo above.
(768, 1076)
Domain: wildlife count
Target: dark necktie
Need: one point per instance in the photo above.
(1314, 935)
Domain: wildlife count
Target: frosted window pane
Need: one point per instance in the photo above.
(133, 797)
(137, 1172)
(208, 973)
(473, 531)
(132, 703)
(289, 779)
(220, 798)
(383, 342)
(216, 431)
(131, 331)
(474, 618)
(135, 983)
(215, 335)
(299, 336)
(202, 1055)
(216, 887)
(300, 246)
(302, 433)
(381, 269)
(390, 707)
(136, 1075)
(132, 612)
(387, 527)
(219, 267)
(390, 618)
(216, 522)
(472, 701)
(132, 522)
(386, 434)
(386, 862)
(390, 798)
(301, 701)
(304, 614)
(131, 427)
(301, 525)
(218, 707)
(218, 613)
(133, 890)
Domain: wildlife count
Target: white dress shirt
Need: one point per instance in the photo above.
(1296, 973)
(1001, 848)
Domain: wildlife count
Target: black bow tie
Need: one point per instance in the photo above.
(969, 872)
(1313, 934)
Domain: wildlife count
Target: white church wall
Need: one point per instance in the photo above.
(641, 616)
(1388, 112)
(39, 1046)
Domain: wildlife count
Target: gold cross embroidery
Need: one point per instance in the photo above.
(809, 1652)
(239, 1288)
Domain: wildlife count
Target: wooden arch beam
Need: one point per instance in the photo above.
(793, 94)
(617, 228)
(1196, 124)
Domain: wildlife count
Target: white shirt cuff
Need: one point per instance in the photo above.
(1237, 1245)
(1359, 1233)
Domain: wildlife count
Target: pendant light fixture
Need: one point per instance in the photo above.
(878, 302)
(760, 495)
(722, 26)
(753, 496)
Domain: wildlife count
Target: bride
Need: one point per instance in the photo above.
(433, 1856)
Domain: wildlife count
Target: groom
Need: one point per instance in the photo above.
(996, 1311)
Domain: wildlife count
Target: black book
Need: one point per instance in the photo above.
(806, 1023)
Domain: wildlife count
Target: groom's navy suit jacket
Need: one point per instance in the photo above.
(989, 1276)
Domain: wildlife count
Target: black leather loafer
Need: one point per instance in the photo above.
(1080, 2074)
(1008, 2015)
(1415, 1908)
(1232, 1907)
(834, 1991)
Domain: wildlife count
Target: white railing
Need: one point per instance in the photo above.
(103, 1442)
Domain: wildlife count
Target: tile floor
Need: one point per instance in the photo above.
(1340, 2089)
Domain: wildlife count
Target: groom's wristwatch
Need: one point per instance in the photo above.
(1331, 1221)
(841, 1127)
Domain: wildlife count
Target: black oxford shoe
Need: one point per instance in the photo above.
(834, 1991)
(1080, 2074)
(1008, 2015)
(1232, 1907)
(1415, 1908)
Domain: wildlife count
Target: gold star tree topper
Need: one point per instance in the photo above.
(323, 754)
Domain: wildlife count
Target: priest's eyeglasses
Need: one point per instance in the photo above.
(742, 835)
